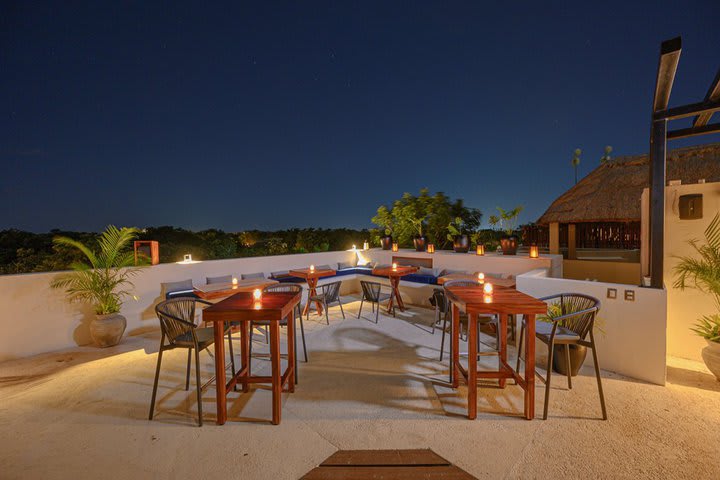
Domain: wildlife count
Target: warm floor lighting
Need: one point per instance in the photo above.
(534, 251)
(480, 250)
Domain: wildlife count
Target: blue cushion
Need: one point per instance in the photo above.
(418, 278)
(245, 276)
(182, 285)
(221, 279)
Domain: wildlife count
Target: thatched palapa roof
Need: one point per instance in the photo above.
(611, 192)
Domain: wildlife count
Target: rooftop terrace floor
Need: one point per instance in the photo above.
(82, 413)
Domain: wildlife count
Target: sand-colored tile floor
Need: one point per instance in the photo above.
(82, 413)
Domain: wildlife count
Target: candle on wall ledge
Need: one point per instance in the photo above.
(366, 245)
(431, 248)
(488, 288)
(534, 251)
(187, 258)
(481, 277)
(480, 250)
(395, 247)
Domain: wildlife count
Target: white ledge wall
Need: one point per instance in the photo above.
(37, 319)
(634, 342)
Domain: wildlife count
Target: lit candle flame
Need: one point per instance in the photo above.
(487, 298)
(257, 294)
(488, 288)
(394, 266)
(312, 268)
(481, 277)
(257, 305)
(234, 281)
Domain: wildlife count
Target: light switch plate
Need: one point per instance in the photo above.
(612, 293)
(630, 295)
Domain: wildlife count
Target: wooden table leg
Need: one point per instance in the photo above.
(455, 339)
(502, 337)
(220, 372)
(472, 367)
(275, 361)
(530, 367)
(245, 353)
(291, 350)
(312, 291)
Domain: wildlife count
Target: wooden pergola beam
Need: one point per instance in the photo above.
(713, 94)
(669, 58)
(707, 107)
(692, 131)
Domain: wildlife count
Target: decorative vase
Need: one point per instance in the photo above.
(577, 358)
(509, 244)
(461, 243)
(386, 242)
(711, 356)
(420, 243)
(107, 330)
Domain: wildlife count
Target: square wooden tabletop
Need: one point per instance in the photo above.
(390, 271)
(502, 300)
(243, 306)
(307, 273)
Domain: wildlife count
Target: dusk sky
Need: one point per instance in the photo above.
(271, 115)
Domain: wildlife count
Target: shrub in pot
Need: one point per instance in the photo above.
(702, 272)
(386, 240)
(507, 220)
(385, 220)
(457, 235)
(104, 282)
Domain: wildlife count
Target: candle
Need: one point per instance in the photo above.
(431, 248)
(354, 247)
(480, 250)
(395, 247)
(488, 288)
(366, 245)
(257, 305)
(234, 281)
(481, 277)
(312, 268)
(394, 266)
(487, 298)
(257, 294)
(534, 251)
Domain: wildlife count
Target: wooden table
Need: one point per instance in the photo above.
(312, 277)
(503, 282)
(503, 302)
(395, 274)
(213, 291)
(243, 309)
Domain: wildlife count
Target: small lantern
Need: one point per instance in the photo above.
(395, 247)
(234, 281)
(394, 266)
(257, 294)
(488, 288)
(480, 249)
(481, 277)
(366, 245)
(431, 248)
(487, 298)
(312, 268)
(187, 258)
(257, 305)
(534, 251)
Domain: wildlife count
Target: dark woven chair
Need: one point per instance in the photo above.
(287, 288)
(329, 295)
(371, 293)
(177, 322)
(575, 323)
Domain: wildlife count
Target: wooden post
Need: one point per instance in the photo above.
(554, 231)
(658, 145)
(572, 242)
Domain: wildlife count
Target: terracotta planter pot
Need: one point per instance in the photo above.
(711, 356)
(107, 330)
(420, 243)
(461, 243)
(509, 244)
(386, 242)
(577, 357)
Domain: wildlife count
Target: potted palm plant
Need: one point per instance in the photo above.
(384, 219)
(420, 241)
(702, 272)
(507, 220)
(103, 282)
(458, 235)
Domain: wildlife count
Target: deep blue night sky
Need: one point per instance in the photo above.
(273, 115)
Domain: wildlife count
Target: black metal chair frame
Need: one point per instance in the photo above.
(294, 288)
(173, 327)
(329, 294)
(371, 292)
(580, 324)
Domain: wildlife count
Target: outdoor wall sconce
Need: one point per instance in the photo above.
(431, 248)
(480, 250)
(366, 246)
(395, 247)
(534, 251)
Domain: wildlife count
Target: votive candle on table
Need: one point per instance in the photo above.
(312, 268)
(394, 266)
(257, 294)
(488, 288)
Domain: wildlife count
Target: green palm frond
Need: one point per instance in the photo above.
(106, 281)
